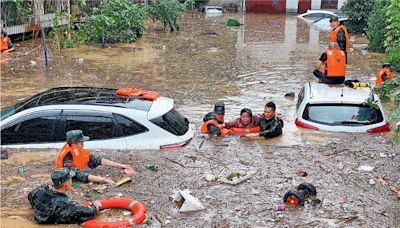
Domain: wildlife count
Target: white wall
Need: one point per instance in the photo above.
(340, 4)
(316, 4)
(292, 6)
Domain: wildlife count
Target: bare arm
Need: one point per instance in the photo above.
(110, 163)
(99, 179)
(318, 65)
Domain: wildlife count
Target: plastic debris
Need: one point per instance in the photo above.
(186, 202)
(366, 168)
(209, 177)
(372, 182)
(237, 177)
(152, 167)
(21, 171)
(80, 61)
(123, 181)
(4, 154)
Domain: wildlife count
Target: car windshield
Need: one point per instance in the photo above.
(173, 122)
(9, 111)
(342, 114)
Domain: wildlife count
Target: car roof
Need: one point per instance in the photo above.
(94, 96)
(320, 92)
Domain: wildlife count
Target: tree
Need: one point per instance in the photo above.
(359, 12)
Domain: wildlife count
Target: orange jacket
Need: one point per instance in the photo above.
(4, 43)
(383, 75)
(80, 157)
(335, 65)
(333, 35)
(204, 127)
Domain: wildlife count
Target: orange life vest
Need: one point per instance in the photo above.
(4, 43)
(80, 157)
(335, 65)
(333, 35)
(380, 76)
(133, 92)
(204, 128)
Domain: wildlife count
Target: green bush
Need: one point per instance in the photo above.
(65, 35)
(377, 27)
(168, 12)
(358, 12)
(122, 21)
(393, 57)
(393, 25)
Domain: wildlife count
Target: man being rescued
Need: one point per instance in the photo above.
(72, 155)
(334, 62)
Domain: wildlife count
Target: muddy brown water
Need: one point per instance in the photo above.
(246, 66)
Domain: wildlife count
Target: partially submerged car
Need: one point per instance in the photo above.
(212, 10)
(111, 121)
(340, 108)
(320, 18)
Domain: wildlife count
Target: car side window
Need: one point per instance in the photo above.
(96, 127)
(128, 126)
(300, 98)
(34, 130)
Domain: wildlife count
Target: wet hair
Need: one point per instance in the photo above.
(271, 105)
(246, 110)
(333, 45)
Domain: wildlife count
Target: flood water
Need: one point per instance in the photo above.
(247, 66)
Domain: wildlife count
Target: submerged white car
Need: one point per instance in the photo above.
(320, 18)
(340, 108)
(111, 121)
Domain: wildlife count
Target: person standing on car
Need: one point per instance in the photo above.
(53, 206)
(212, 119)
(334, 62)
(72, 155)
(270, 124)
(339, 34)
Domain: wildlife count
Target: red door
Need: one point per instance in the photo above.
(266, 6)
(304, 5)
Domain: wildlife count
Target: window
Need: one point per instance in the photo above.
(128, 126)
(37, 129)
(96, 127)
(173, 122)
(342, 114)
(300, 98)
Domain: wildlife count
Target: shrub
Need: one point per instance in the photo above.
(393, 25)
(168, 12)
(121, 20)
(377, 27)
(358, 12)
(393, 57)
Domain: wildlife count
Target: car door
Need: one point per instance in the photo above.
(101, 127)
(33, 130)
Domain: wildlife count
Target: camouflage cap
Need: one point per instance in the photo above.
(76, 136)
(219, 107)
(60, 176)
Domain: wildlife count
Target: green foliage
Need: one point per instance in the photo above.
(23, 10)
(393, 57)
(122, 21)
(359, 12)
(168, 12)
(377, 27)
(393, 25)
(63, 32)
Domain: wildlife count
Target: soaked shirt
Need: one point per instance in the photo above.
(52, 207)
(82, 175)
(255, 120)
(270, 128)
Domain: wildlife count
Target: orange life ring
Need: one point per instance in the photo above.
(133, 92)
(204, 128)
(139, 213)
(242, 130)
